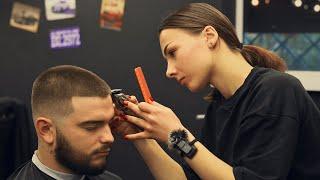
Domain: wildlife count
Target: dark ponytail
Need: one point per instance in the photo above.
(257, 56)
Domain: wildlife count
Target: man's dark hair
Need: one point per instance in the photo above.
(54, 88)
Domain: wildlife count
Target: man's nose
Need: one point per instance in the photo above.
(107, 136)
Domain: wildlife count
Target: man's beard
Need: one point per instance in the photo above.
(74, 160)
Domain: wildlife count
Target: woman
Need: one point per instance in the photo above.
(261, 123)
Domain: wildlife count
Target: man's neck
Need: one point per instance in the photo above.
(49, 160)
(54, 173)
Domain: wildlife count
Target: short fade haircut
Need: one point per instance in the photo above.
(54, 88)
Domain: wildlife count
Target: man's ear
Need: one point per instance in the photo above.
(45, 129)
(211, 36)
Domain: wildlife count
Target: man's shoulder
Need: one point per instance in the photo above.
(106, 175)
(20, 171)
(27, 171)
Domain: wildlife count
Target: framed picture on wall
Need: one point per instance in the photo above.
(288, 28)
(25, 17)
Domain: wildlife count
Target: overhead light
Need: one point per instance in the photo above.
(297, 3)
(267, 2)
(255, 2)
(316, 8)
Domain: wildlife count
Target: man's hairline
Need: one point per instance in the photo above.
(70, 105)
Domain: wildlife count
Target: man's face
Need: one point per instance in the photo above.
(84, 138)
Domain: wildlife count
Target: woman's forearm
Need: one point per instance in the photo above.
(161, 165)
(208, 166)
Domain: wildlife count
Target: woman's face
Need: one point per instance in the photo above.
(188, 56)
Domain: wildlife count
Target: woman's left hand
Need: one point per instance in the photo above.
(157, 121)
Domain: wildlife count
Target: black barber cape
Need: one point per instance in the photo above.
(268, 130)
(29, 171)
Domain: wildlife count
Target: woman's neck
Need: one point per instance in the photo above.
(230, 72)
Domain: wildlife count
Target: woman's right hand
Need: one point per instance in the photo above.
(155, 121)
(122, 127)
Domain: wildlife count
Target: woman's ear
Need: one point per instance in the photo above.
(45, 130)
(211, 36)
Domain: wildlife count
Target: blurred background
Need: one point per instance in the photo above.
(290, 28)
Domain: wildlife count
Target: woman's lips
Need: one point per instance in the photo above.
(181, 81)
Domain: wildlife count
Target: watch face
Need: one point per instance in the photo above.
(184, 147)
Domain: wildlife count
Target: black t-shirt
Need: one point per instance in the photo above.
(269, 129)
(29, 171)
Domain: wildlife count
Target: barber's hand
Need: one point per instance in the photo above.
(122, 127)
(157, 121)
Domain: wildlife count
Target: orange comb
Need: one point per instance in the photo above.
(143, 85)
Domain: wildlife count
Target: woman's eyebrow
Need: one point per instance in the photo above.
(165, 53)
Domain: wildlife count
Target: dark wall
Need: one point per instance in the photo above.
(280, 16)
(113, 55)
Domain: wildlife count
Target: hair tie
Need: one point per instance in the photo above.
(240, 46)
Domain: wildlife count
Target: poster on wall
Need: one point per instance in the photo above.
(60, 9)
(25, 17)
(65, 38)
(111, 14)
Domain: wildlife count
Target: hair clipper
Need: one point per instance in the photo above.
(118, 98)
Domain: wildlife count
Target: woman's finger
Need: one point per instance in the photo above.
(136, 110)
(133, 107)
(146, 107)
(133, 99)
(137, 121)
(158, 104)
(140, 135)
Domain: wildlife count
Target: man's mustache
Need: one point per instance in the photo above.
(104, 148)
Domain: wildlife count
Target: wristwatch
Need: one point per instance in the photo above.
(178, 140)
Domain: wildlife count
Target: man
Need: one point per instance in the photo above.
(72, 109)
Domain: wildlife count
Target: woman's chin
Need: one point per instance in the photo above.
(194, 89)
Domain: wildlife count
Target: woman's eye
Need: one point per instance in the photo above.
(172, 52)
